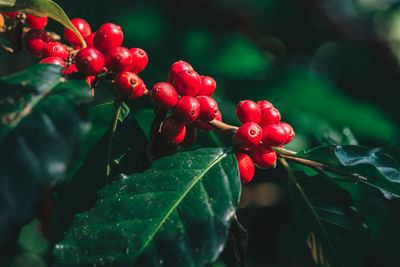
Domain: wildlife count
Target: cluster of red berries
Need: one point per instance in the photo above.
(261, 130)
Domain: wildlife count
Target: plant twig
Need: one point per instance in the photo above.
(118, 105)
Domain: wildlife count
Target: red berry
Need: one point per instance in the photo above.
(108, 36)
(11, 15)
(55, 49)
(53, 60)
(36, 22)
(176, 68)
(139, 60)
(208, 86)
(118, 58)
(190, 136)
(187, 109)
(2, 21)
(274, 135)
(187, 82)
(35, 40)
(263, 156)
(71, 69)
(89, 79)
(83, 28)
(203, 126)
(173, 131)
(248, 111)
(164, 95)
(246, 167)
(89, 40)
(89, 61)
(264, 104)
(248, 135)
(129, 85)
(289, 131)
(270, 116)
(208, 108)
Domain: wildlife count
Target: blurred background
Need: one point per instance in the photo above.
(330, 66)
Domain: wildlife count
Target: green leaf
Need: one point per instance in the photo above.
(324, 215)
(43, 121)
(41, 8)
(177, 213)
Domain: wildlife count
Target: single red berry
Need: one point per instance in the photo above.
(270, 116)
(2, 20)
(89, 40)
(129, 85)
(11, 15)
(35, 40)
(108, 36)
(263, 156)
(248, 111)
(187, 82)
(246, 167)
(187, 109)
(118, 58)
(289, 131)
(139, 60)
(55, 49)
(203, 126)
(190, 136)
(248, 135)
(208, 86)
(89, 61)
(274, 135)
(208, 108)
(176, 68)
(70, 69)
(263, 104)
(53, 60)
(173, 131)
(36, 22)
(164, 95)
(83, 28)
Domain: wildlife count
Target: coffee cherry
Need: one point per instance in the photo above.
(35, 40)
(270, 116)
(89, 40)
(208, 86)
(55, 49)
(83, 28)
(108, 36)
(89, 79)
(176, 68)
(264, 104)
(173, 131)
(263, 156)
(2, 21)
(187, 82)
(187, 109)
(248, 111)
(246, 167)
(139, 60)
(89, 61)
(289, 131)
(274, 135)
(70, 69)
(36, 22)
(202, 126)
(190, 136)
(53, 60)
(129, 85)
(248, 135)
(164, 95)
(208, 108)
(11, 15)
(118, 58)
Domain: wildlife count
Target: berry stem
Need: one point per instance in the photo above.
(118, 105)
(223, 127)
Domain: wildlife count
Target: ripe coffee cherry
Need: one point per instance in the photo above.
(248, 135)
(139, 60)
(89, 61)
(246, 167)
(55, 49)
(173, 131)
(83, 28)
(118, 58)
(202, 126)
(11, 15)
(263, 156)
(208, 108)
(289, 131)
(71, 69)
(274, 135)
(176, 68)
(270, 116)
(208, 86)
(190, 136)
(164, 95)
(187, 82)
(108, 36)
(53, 60)
(187, 109)
(264, 104)
(36, 22)
(248, 111)
(89, 40)
(2, 21)
(129, 85)
(35, 40)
